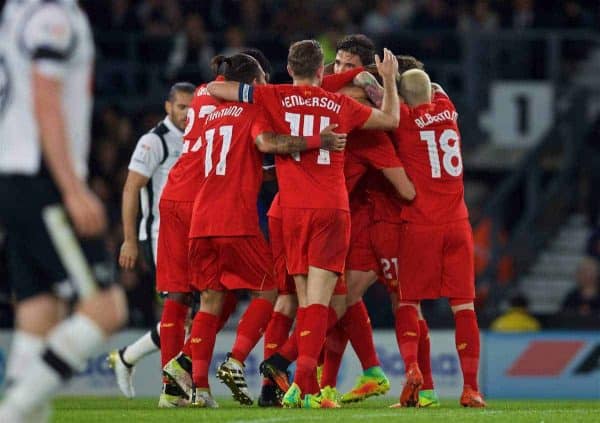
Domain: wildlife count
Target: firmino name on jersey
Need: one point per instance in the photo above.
(323, 102)
(229, 111)
(427, 119)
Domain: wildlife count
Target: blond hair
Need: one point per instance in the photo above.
(415, 87)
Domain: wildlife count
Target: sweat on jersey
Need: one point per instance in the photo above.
(55, 38)
(155, 154)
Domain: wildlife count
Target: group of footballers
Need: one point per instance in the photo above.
(370, 188)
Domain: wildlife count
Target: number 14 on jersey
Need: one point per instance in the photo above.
(308, 130)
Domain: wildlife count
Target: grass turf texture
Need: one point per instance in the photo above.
(114, 410)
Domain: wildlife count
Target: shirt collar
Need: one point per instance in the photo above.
(172, 127)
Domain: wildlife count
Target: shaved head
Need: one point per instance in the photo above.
(415, 87)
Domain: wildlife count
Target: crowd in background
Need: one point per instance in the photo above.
(180, 37)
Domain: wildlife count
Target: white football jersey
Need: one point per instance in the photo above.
(155, 154)
(55, 37)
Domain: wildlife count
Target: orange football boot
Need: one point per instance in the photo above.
(410, 393)
(471, 398)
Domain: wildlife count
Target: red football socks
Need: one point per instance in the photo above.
(229, 305)
(172, 329)
(424, 355)
(357, 325)
(277, 332)
(251, 327)
(407, 333)
(202, 340)
(335, 344)
(467, 346)
(310, 342)
(289, 350)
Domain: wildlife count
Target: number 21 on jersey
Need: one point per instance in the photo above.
(308, 130)
(449, 144)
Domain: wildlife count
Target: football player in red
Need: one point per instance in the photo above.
(227, 250)
(436, 245)
(313, 197)
(175, 207)
(366, 150)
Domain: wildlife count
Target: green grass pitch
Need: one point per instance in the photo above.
(115, 410)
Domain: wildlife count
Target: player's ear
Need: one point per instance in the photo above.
(320, 72)
(290, 73)
(168, 107)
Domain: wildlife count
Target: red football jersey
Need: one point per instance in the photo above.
(187, 173)
(385, 201)
(226, 201)
(368, 149)
(429, 145)
(314, 178)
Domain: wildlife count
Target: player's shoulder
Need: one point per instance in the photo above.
(152, 139)
(50, 23)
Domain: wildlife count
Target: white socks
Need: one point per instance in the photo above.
(70, 344)
(25, 347)
(140, 348)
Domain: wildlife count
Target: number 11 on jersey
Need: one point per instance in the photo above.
(294, 120)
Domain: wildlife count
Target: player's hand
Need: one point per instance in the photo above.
(128, 255)
(332, 141)
(388, 67)
(86, 211)
(367, 82)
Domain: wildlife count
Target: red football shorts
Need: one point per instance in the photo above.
(172, 273)
(385, 241)
(436, 261)
(360, 255)
(315, 237)
(228, 263)
(285, 283)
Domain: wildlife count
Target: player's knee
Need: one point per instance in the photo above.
(37, 314)
(286, 305)
(108, 309)
(338, 303)
(211, 302)
(270, 295)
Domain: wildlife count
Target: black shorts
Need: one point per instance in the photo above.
(148, 256)
(44, 255)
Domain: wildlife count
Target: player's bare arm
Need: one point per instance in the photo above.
(286, 144)
(224, 90)
(83, 207)
(129, 211)
(368, 83)
(388, 117)
(399, 179)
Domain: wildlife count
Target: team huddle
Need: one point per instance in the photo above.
(369, 169)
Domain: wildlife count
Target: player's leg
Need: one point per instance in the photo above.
(427, 395)
(203, 336)
(123, 360)
(357, 325)
(246, 263)
(420, 256)
(276, 334)
(459, 287)
(34, 318)
(173, 278)
(57, 259)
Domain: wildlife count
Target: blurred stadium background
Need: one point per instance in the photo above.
(525, 76)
